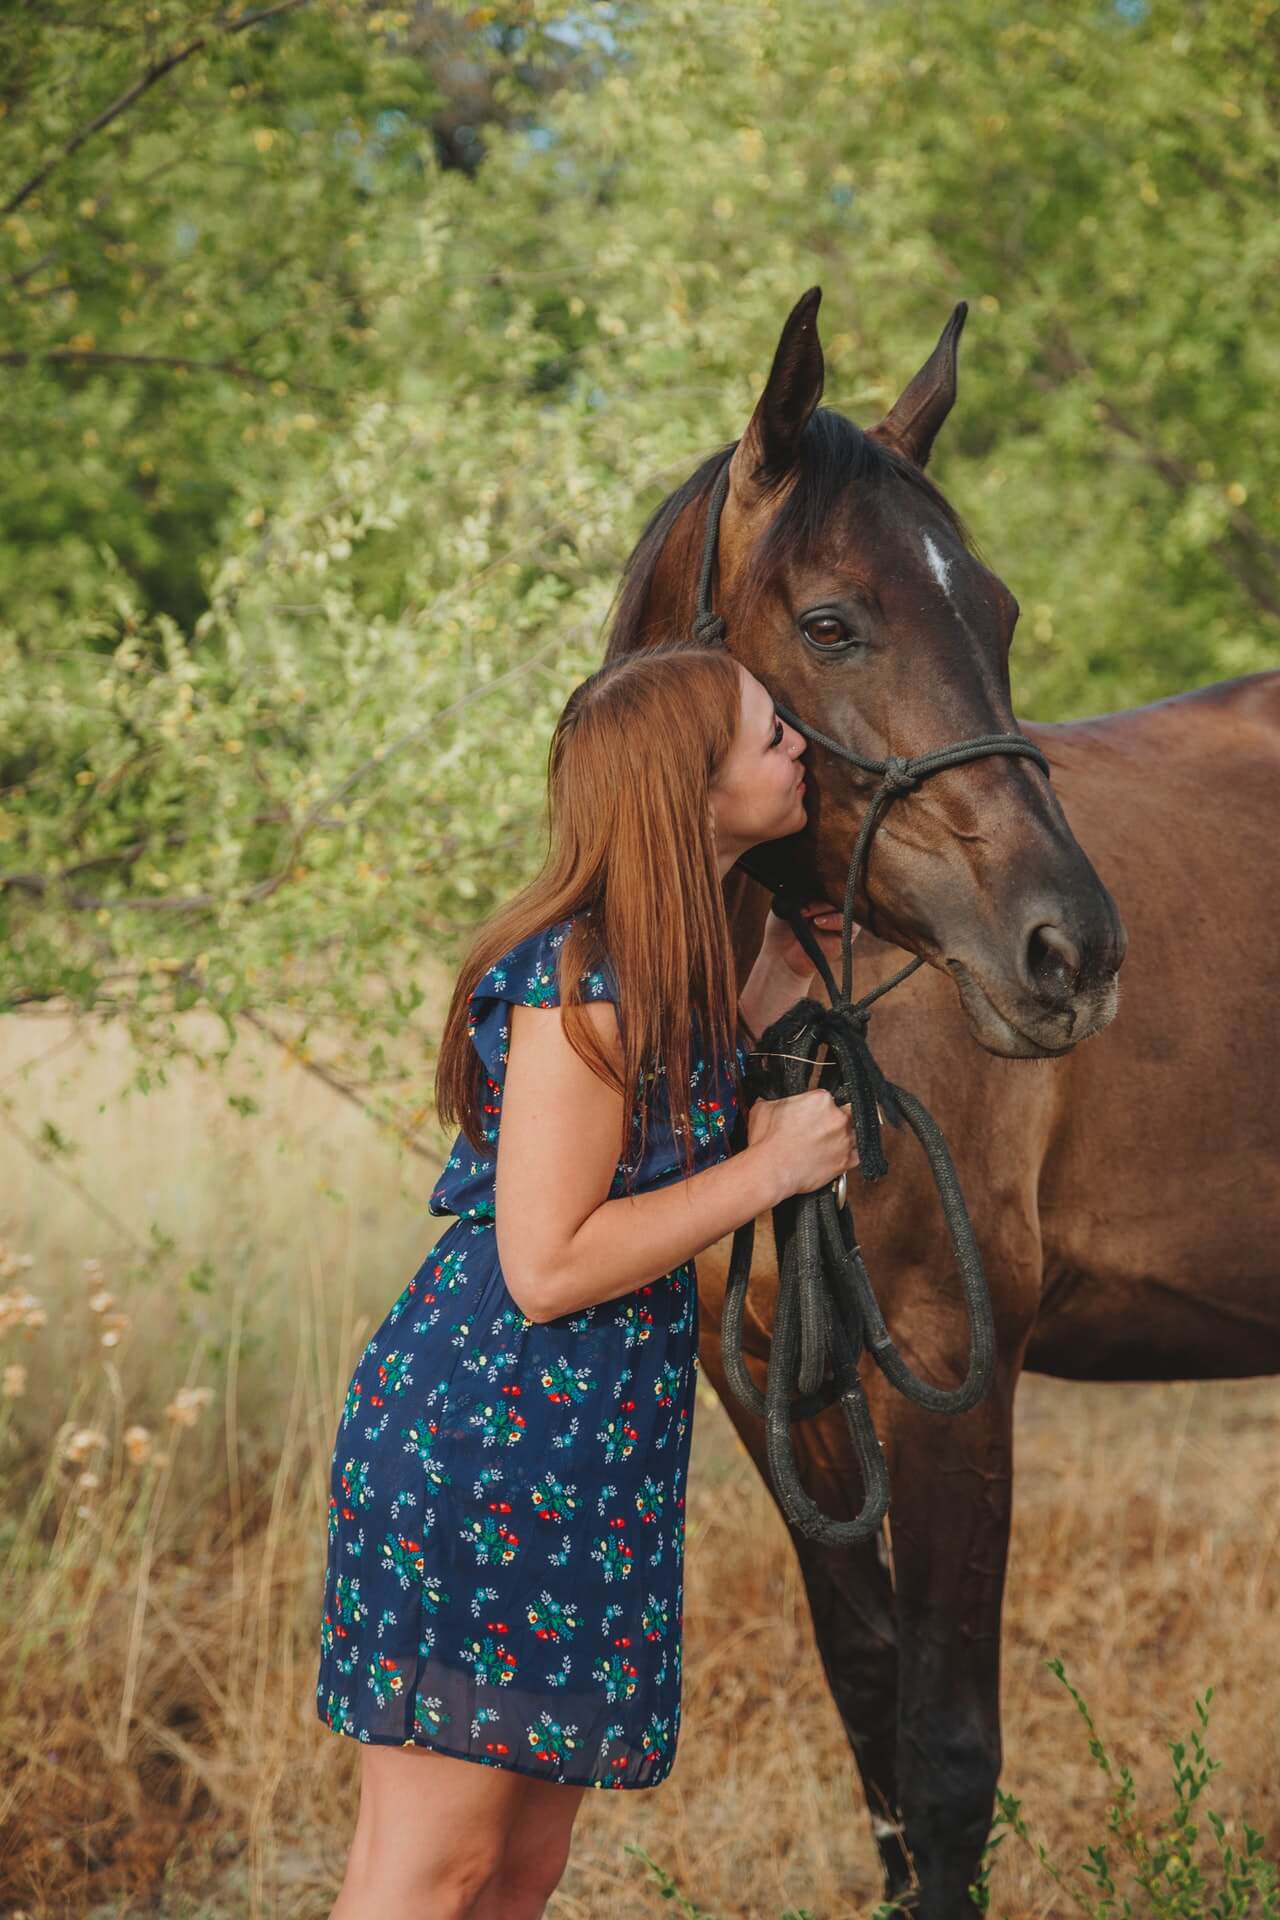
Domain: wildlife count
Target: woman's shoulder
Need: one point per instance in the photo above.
(528, 973)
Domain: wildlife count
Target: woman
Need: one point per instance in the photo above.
(504, 1580)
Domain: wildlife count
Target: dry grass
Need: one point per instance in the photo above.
(161, 1753)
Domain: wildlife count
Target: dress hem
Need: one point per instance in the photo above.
(498, 1766)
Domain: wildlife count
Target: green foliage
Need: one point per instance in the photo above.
(1163, 1870)
(281, 653)
(189, 293)
(667, 1889)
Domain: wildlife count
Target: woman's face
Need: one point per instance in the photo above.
(758, 793)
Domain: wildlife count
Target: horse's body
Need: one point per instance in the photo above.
(1125, 1198)
(1159, 1188)
(1124, 1191)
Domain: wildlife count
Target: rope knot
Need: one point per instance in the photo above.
(709, 628)
(897, 776)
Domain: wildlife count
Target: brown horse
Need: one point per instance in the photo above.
(1125, 1193)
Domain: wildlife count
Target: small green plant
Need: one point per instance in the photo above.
(1165, 1873)
(668, 1890)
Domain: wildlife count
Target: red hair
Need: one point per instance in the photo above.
(632, 854)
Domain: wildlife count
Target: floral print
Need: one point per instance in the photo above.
(504, 1580)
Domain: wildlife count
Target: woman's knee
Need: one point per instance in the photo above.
(432, 1880)
(523, 1894)
(429, 1837)
(529, 1875)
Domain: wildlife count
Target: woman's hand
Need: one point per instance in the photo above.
(807, 1139)
(780, 944)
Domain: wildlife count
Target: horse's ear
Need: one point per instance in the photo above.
(768, 448)
(912, 423)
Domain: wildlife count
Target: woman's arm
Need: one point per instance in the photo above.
(771, 987)
(562, 1243)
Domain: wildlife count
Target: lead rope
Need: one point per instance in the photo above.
(827, 1312)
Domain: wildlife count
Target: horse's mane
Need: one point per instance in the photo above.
(833, 454)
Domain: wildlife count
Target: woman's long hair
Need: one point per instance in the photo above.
(632, 854)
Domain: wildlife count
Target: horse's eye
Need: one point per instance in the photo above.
(824, 630)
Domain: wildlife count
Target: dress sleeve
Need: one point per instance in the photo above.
(526, 976)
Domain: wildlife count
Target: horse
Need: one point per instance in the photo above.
(1122, 1168)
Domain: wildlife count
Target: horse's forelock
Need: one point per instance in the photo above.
(835, 454)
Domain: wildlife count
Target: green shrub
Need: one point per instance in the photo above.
(1139, 1875)
(1161, 1872)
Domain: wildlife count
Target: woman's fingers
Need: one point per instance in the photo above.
(824, 915)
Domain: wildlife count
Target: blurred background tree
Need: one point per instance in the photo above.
(346, 350)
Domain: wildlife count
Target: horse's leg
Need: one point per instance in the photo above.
(852, 1606)
(850, 1600)
(952, 1485)
(912, 1654)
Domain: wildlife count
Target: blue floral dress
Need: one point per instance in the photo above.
(504, 1580)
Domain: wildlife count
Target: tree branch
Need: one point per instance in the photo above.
(1256, 569)
(1179, 476)
(38, 884)
(52, 1162)
(140, 86)
(337, 1086)
(99, 356)
(49, 1159)
(29, 273)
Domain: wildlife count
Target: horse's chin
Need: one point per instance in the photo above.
(1037, 1033)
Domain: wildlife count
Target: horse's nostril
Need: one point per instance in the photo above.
(1053, 959)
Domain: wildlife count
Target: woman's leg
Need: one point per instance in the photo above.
(429, 1837)
(534, 1855)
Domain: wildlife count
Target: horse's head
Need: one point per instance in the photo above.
(850, 589)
